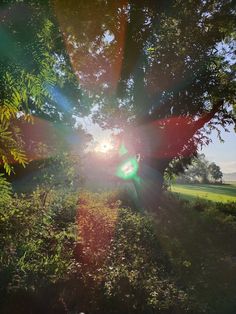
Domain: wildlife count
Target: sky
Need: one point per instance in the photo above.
(223, 154)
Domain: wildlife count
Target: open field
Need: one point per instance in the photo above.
(211, 192)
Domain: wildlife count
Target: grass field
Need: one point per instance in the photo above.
(211, 192)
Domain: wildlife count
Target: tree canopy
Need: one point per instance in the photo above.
(161, 72)
(37, 78)
(201, 171)
(155, 68)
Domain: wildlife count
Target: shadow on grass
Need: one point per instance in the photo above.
(227, 190)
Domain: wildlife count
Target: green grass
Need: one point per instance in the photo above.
(216, 193)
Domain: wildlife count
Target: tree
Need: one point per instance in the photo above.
(200, 171)
(215, 172)
(157, 71)
(37, 78)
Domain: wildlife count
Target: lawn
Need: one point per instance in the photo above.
(211, 192)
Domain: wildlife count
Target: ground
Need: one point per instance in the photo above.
(212, 192)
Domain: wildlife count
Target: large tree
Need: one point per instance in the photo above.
(161, 71)
(201, 171)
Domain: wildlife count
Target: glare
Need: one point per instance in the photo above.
(104, 147)
(127, 168)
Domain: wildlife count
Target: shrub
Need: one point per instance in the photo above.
(82, 256)
(5, 190)
(137, 274)
(123, 265)
(199, 238)
(37, 239)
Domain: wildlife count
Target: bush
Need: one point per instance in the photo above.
(123, 266)
(5, 190)
(199, 238)
(60, 253)
(37, 239)
(137, 276)
(59, 171)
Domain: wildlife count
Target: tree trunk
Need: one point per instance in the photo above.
(149, 183)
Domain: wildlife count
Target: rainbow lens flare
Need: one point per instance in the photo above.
(128, 169)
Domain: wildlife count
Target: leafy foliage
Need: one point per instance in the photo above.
(37, 240)
(96, 256)
(59, 171)
(19, 89)
(42, 249)
(215, 172)
(200, 171)
(124, 268)
(5, 190)
(199, 239)
(37, 76)
(164, 73)
(137, 273)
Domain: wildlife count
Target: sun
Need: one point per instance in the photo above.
(104, 147)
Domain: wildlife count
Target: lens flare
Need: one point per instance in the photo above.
(128, 169)
(104, 147)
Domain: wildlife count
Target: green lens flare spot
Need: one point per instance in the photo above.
(128, 169)
(122, 150)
